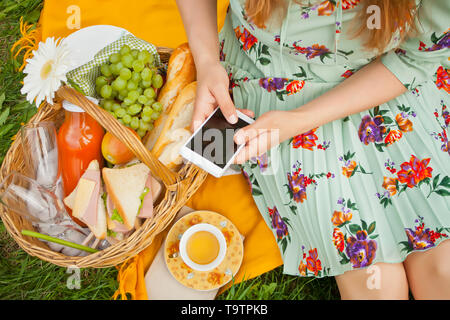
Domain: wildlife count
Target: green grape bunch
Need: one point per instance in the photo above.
(128, 84)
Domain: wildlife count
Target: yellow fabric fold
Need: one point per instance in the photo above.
(159, 22)
(155, 21)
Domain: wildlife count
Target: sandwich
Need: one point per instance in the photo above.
(176, 130)
(86, 202)
(180, 72)
(131, 193)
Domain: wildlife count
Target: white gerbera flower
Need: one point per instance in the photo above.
(46, 71)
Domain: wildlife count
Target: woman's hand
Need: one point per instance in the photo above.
(268, 131)
(213, 91)
(200, 21)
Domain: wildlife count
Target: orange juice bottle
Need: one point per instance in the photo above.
(79, 142)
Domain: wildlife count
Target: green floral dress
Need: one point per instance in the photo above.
(372, 187)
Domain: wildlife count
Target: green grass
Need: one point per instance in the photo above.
(14, 109)
(275, 285)
(25, 277)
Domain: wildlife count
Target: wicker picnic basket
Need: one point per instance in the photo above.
(179, 188)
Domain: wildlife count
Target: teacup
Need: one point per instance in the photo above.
(202, 229)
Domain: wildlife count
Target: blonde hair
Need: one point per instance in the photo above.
(397, 17)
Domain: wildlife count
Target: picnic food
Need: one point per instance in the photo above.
(130, 194)
(86, 202)
(131, 190)
(114, 151)
(79, 141)
(116, 229)
(82, 79)
(129, 84)
(181, 71)
(176, 129)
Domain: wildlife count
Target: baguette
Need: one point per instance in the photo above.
(176, 130)
(181, 71)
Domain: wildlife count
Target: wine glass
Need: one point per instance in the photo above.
(42, 208)
(31, 200)
(40, 153)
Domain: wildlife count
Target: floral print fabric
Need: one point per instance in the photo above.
(372, 187)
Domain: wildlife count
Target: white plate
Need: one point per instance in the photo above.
(85, 43)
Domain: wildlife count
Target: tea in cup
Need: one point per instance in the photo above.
(203, 247)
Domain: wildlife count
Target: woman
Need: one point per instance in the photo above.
(356, 92)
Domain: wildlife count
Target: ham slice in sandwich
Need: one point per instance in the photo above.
(131, 193)
(86, 202)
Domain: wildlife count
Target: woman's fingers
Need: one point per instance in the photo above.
(248, 113)
(255, 147)
(204, 105)
(198, 120)
(251, 131)
(225, 103)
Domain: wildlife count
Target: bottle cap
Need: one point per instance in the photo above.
(74, 108)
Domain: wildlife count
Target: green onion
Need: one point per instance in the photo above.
(58, 241)
(116, 216)
(112, 233)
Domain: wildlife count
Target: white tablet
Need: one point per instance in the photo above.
(212, 146)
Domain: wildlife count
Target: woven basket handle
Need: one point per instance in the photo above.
(121, 132)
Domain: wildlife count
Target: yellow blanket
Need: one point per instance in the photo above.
(159, 23)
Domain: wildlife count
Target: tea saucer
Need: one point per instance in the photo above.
(209, 280)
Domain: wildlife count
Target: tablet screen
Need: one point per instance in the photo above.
(215, 140)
